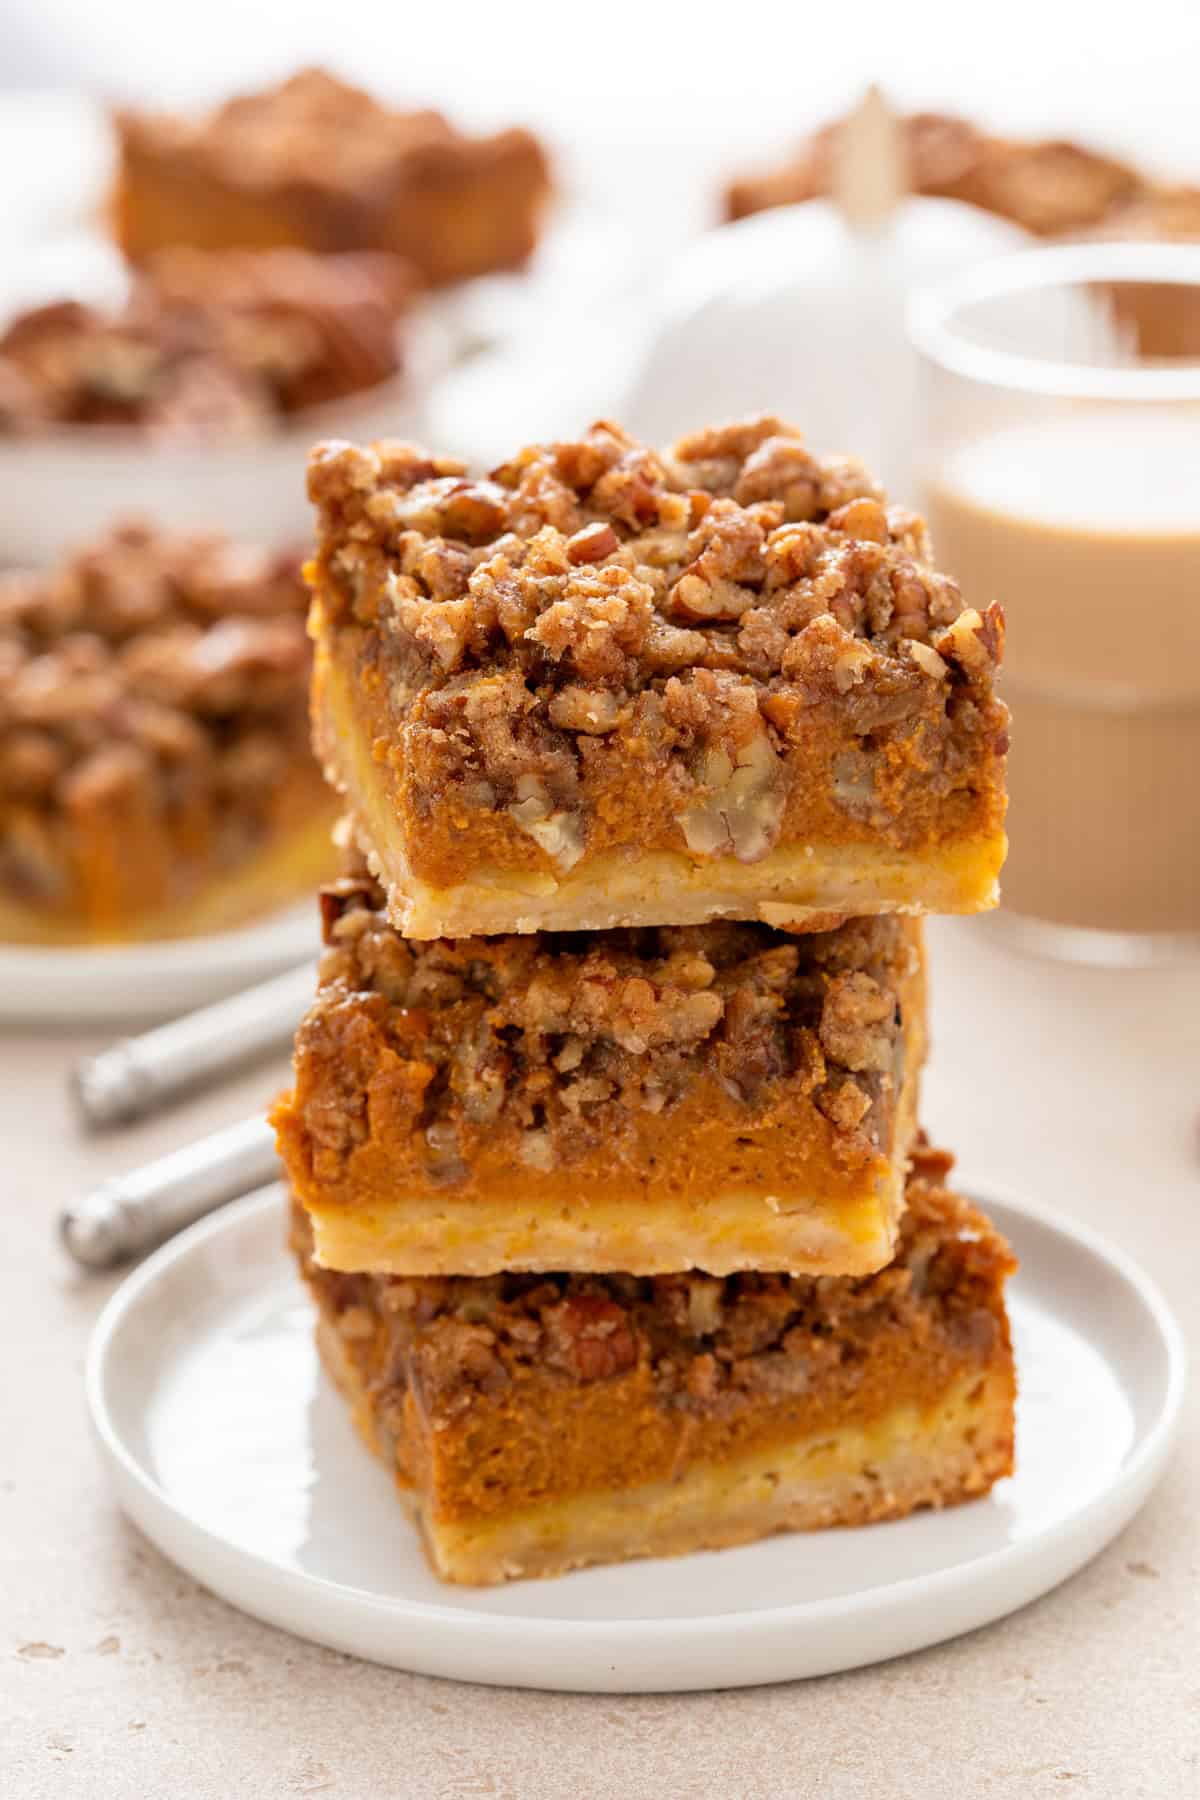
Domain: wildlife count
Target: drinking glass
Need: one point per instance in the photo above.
(1059, 468)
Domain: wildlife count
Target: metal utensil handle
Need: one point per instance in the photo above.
(140, 1075)
(132, 1213)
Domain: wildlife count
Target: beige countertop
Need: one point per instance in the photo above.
(120, 1679)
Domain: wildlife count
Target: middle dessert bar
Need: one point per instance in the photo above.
(721, 1097)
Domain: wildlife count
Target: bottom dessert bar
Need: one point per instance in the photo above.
(538, 1423)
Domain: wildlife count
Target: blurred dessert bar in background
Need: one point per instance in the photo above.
(1047, 187)
(321, 165)
(209, 345)
(721, 1096)
(612, 687)
(536, 1423)
(1050, 188)
(155, 770)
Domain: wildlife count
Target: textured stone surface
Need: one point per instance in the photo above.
(120, 1679)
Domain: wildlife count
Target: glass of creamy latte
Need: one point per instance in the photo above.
(1059, 469)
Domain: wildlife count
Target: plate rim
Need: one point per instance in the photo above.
(1135, 1478)
(234, 958)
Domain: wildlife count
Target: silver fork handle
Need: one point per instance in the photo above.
(141, 1075)
(130, 1214)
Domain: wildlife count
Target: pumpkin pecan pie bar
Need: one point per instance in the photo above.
(208, 345)
(1049, 187)
(723, 1097)
(537, 1423)
(318, 164)
(610, 687)
(155, 771)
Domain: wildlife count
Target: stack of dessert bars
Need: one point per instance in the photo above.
(609, 1186)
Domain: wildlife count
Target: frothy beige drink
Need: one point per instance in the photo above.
(1087, 528)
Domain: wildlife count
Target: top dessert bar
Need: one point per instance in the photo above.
(155, 770)
(608, 687)
(1047, 187)
(322, 165)
(208, 345)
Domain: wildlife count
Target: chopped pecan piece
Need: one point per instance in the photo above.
(589, 1338)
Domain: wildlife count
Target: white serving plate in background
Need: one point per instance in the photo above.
(62, 487)
(87, 984)
(61, 490)
(231, 1450)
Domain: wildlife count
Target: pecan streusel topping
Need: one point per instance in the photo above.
(703, 604)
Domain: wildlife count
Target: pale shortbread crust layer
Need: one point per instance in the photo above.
(911, 1457)
(791, 885)
(721, 1234)
(787, 887)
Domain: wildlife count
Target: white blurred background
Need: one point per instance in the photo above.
(648, 105)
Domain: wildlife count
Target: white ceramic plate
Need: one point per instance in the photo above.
(64, 486)
(133, 982)
(234, 1455)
